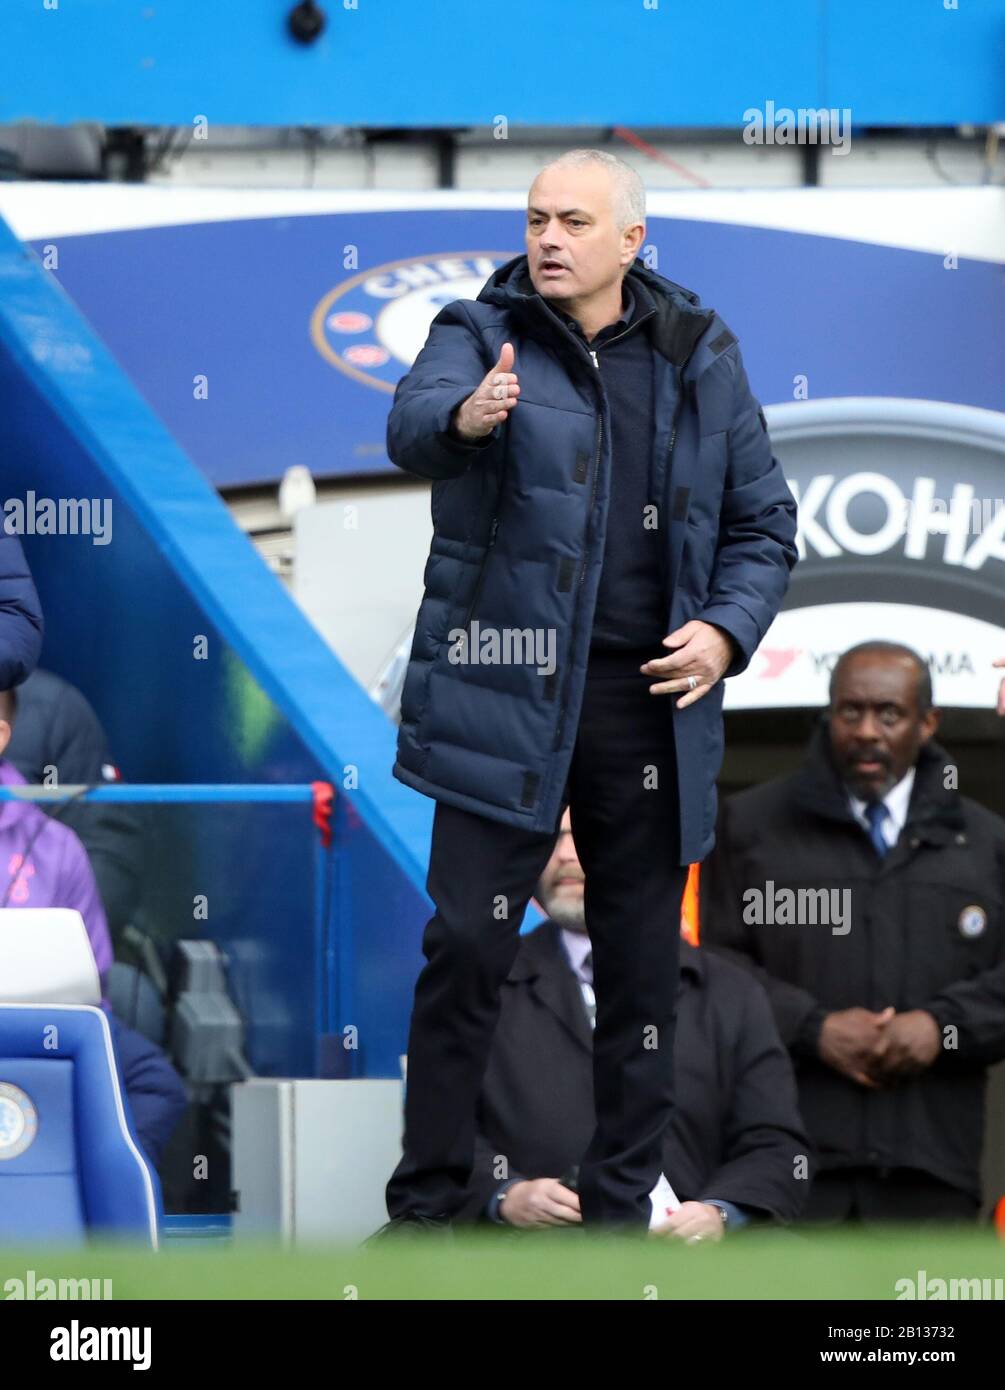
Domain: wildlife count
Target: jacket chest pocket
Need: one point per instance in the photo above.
(715, 398)
(709, 479)
(952, 932)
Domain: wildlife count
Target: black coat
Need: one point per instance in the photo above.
(735, 1131)
(911, 943)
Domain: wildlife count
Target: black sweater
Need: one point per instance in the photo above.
(632, 605)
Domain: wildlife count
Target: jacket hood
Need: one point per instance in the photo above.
(678, 326)
(820, 790)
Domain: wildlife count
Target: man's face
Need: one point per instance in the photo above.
(560, 887)
(876, 727)
(570, 221)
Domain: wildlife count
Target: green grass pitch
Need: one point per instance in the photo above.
(765, 1264)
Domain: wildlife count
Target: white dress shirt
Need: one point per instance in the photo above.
(896, 801)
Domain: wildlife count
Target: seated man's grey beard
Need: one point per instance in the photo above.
(565, 912)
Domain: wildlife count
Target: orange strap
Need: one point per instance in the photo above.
(689, 906)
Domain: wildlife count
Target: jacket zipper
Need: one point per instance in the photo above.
(667, 483)
(476, 595)
(582, 572)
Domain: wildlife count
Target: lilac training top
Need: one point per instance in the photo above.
(51, 871)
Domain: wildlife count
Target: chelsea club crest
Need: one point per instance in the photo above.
(18, 1121)
(972, 920)
(373, 325)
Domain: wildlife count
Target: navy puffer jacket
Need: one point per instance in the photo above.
(519, 521)
(20, 616)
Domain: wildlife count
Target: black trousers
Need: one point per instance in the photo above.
(624, 807)
(886, 1195)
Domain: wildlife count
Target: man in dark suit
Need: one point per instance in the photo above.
(735, 1150)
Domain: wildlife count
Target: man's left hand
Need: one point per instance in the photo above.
(693, 1223)
(702, 650)
(913, 1041)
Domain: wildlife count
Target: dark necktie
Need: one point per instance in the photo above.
(876, 813)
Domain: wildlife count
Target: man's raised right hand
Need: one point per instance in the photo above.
(490, 402)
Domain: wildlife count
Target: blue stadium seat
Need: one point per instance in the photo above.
(70, 1166)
